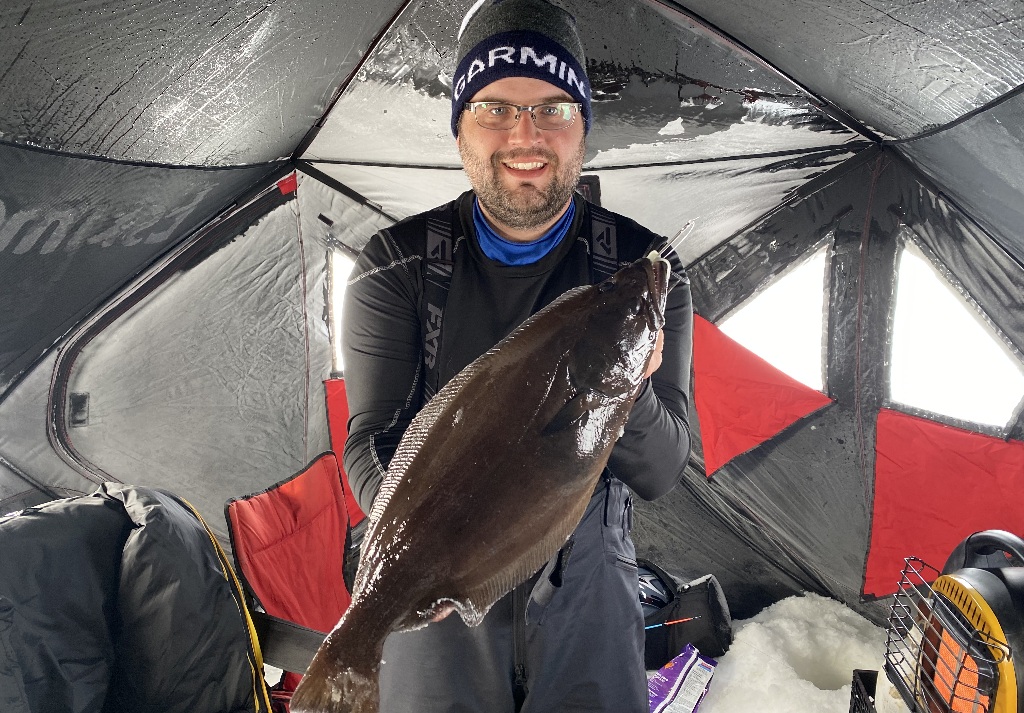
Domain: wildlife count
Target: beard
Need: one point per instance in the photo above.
(526, 206)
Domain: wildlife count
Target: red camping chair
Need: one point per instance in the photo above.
(289, 542)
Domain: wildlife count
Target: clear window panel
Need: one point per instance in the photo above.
(784, 323)
(946, 357)
(339, 266)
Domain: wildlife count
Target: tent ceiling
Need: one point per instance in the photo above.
(665, 91)
(176, 81)
(899, 66)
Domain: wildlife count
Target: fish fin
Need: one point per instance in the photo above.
(479, 600)
(343, 676)
(576, 410)
(345, 691)
(407, 450)
(435, 612)
(472, 613)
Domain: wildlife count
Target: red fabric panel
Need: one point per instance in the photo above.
(934, 486)
(288, 184)
(337, 422)
(741, 399)
(290, 545)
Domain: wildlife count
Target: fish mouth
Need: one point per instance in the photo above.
(657, 269)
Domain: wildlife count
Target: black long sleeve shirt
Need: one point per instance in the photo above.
(383, 343)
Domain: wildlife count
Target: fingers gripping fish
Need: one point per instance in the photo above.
(493, 475)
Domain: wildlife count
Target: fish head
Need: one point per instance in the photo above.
(623, 318)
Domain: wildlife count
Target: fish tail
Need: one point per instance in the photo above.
(346, 690)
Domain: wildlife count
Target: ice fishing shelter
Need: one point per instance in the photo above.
(182, 183)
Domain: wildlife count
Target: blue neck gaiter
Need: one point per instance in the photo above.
(510, 253)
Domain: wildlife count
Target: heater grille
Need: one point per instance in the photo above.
(940, 653)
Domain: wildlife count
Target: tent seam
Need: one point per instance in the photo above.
(851, 147)
(141, 164)
(984, 108)
(305, 329)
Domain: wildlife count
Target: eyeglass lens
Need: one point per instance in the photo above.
(502, 117)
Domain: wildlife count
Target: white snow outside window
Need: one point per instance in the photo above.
(784, 324)
(339, 265)
(946, 357)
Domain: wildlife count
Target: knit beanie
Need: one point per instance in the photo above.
(519, 38)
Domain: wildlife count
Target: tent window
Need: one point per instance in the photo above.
(784, 323)
(339, 265)
(946, 357)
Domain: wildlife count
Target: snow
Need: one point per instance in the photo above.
(673, 128)
(798, 656)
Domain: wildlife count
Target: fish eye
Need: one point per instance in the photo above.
(606, 286)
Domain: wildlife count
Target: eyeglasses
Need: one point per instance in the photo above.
(499, 116)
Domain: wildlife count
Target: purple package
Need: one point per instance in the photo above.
(680, 685)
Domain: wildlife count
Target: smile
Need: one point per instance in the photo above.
(525, 165)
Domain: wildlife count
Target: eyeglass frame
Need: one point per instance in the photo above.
(577, 107)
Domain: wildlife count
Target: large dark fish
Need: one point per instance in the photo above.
(493, 475)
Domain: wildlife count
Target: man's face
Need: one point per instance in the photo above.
(524, 177)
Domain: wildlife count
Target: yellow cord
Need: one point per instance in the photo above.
(259, 684)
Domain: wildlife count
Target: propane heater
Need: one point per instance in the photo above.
(952, 645)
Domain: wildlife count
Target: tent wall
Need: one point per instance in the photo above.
(17, 491)
(197, 372)
(809, 492)
(24, 443)
(700, 204)
(801, 500)
(980, 166)
(211, 385)
(206, 379)
(944, 76)
(929, 473)
(696, 529)
(66, 245)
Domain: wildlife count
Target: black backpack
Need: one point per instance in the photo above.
(668, 599)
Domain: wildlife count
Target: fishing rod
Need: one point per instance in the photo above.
(670, 623)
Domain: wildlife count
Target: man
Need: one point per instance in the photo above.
(435, 291)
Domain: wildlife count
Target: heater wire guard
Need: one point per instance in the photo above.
(935, 657)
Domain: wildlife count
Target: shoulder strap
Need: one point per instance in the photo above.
(438, 263)
(439, 260)
(604, 244)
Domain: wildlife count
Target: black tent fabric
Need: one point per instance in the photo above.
(167, 288)
(68, 244)
(179, 83)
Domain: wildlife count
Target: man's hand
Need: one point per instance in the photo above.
(655, 362)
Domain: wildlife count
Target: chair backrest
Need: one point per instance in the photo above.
(337, 424)
(289, 542)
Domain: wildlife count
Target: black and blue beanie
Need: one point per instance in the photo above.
(519, 38)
